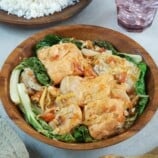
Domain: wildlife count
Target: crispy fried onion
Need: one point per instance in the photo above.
(47, 98)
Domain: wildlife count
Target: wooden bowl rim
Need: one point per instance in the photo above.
(65, 14)
(90, 29)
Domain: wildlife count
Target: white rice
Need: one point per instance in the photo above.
(34, 8)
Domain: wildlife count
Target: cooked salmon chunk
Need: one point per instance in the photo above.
(66, 119)
(88, 89)
(102, 99)
(104, 117)
(63, 59)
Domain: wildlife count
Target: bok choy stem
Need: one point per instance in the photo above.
(14, 79)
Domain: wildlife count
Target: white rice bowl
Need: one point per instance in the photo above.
(34, 8)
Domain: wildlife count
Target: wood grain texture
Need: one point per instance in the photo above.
(84, 32)
(43, 21)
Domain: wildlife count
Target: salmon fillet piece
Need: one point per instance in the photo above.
(64, 59)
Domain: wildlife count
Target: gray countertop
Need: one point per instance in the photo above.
(101, 13)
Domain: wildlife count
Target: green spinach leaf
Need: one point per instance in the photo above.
(49, 40)
(81, 134)
(140, 88)
(106, 45)
(65, 138)
(78, 43)
(38, 68)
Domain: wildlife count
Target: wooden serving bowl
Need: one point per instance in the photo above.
(122, 43)
(65, 14)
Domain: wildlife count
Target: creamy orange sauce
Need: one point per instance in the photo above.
(91, 87)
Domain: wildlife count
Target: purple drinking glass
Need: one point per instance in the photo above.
(136, 15)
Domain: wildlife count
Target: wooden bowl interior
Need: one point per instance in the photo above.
(122, 43)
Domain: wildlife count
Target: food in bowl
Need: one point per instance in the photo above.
(34, 8)
(79, 90)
